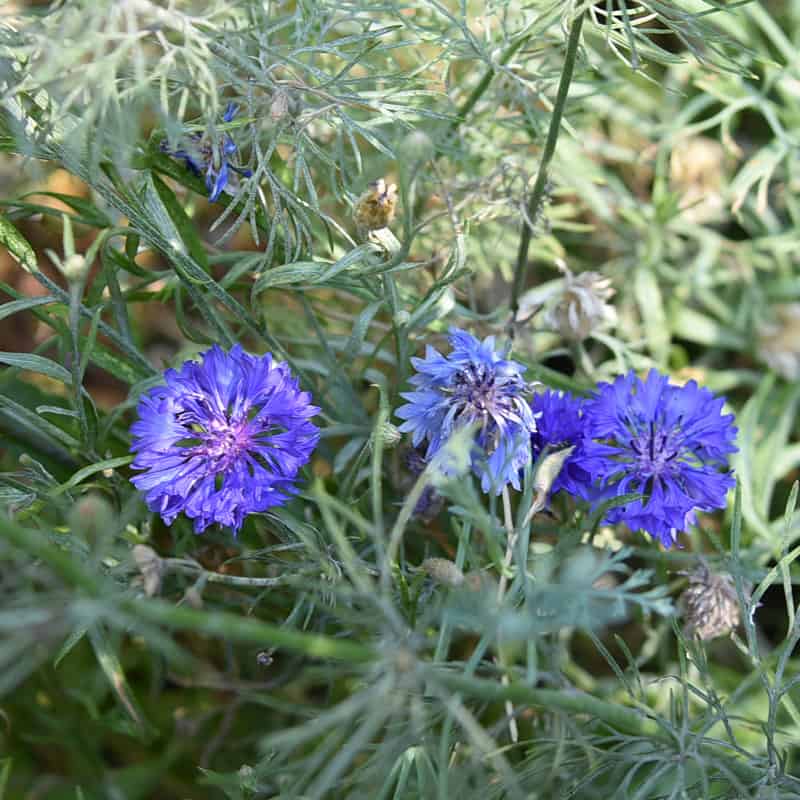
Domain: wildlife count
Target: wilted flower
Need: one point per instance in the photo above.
(376, 208)
(779, 341)
(710, 604)
(580, 307)
(668, 443)
(696, 170)
(224, 438)
(560, 423)
(201, 159)
(472, 386)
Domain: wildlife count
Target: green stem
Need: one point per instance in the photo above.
(248, 630)
(479, 90)
(534, 203)
(620, 718)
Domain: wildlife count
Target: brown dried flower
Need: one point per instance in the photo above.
(779, 341)
(376, 208)
(696, 169)
(710, 604)
(442, 570)
(581, 306)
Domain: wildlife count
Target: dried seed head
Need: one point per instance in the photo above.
(151, 566)
(580, 307)
(710, 604)
(696, 169)
(779, 341)
(443, 571)
(279, 107)
(376, 208)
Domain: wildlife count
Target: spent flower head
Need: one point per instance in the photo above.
(668, 443)
(223, 438)
(581, 306)
(202, 160)
(710, 604)
(376, 207)
(779, 340)
(474, 386)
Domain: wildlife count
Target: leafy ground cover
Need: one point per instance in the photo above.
(509, 509)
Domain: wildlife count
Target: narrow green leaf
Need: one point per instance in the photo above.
(15, 306)
(82, 474)
(17, 245)
(113, 671)
(5, 774)
(34, 363)
(184, 225)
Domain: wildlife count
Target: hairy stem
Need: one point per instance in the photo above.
(534, 203)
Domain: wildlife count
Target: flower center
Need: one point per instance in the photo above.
(655, 450)
(474, 389)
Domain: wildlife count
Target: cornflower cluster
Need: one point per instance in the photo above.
(664, 447)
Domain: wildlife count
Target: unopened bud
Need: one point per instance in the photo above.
(546, 475)
(443, 571)
(417, 146)
(91, 518)
(389, 435)
(75, 268)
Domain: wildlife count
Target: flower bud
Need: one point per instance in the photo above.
(710, 604)
(75, 268)
(91, 518)
(376, 208)
(416, 147)
(442, 570)
(389, 435)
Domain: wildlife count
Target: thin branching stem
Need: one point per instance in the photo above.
(536, 198)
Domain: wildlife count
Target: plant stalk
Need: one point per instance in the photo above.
(534, 204)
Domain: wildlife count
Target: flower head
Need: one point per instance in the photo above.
(710, 604)
(223, 438)
(200, 158)
(472, 385)
(560, 423)
(779, 340)
(581, 306)
(376, 207)
(668, 443)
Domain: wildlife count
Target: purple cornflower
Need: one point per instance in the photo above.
(223, 438)
(560, 423)
(473, 385)
(200, 158)
(669, 443)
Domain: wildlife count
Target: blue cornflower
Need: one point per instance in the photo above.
(473, 385)
(560, 423)
(223, 438)
(669, 443)
(199, 157)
